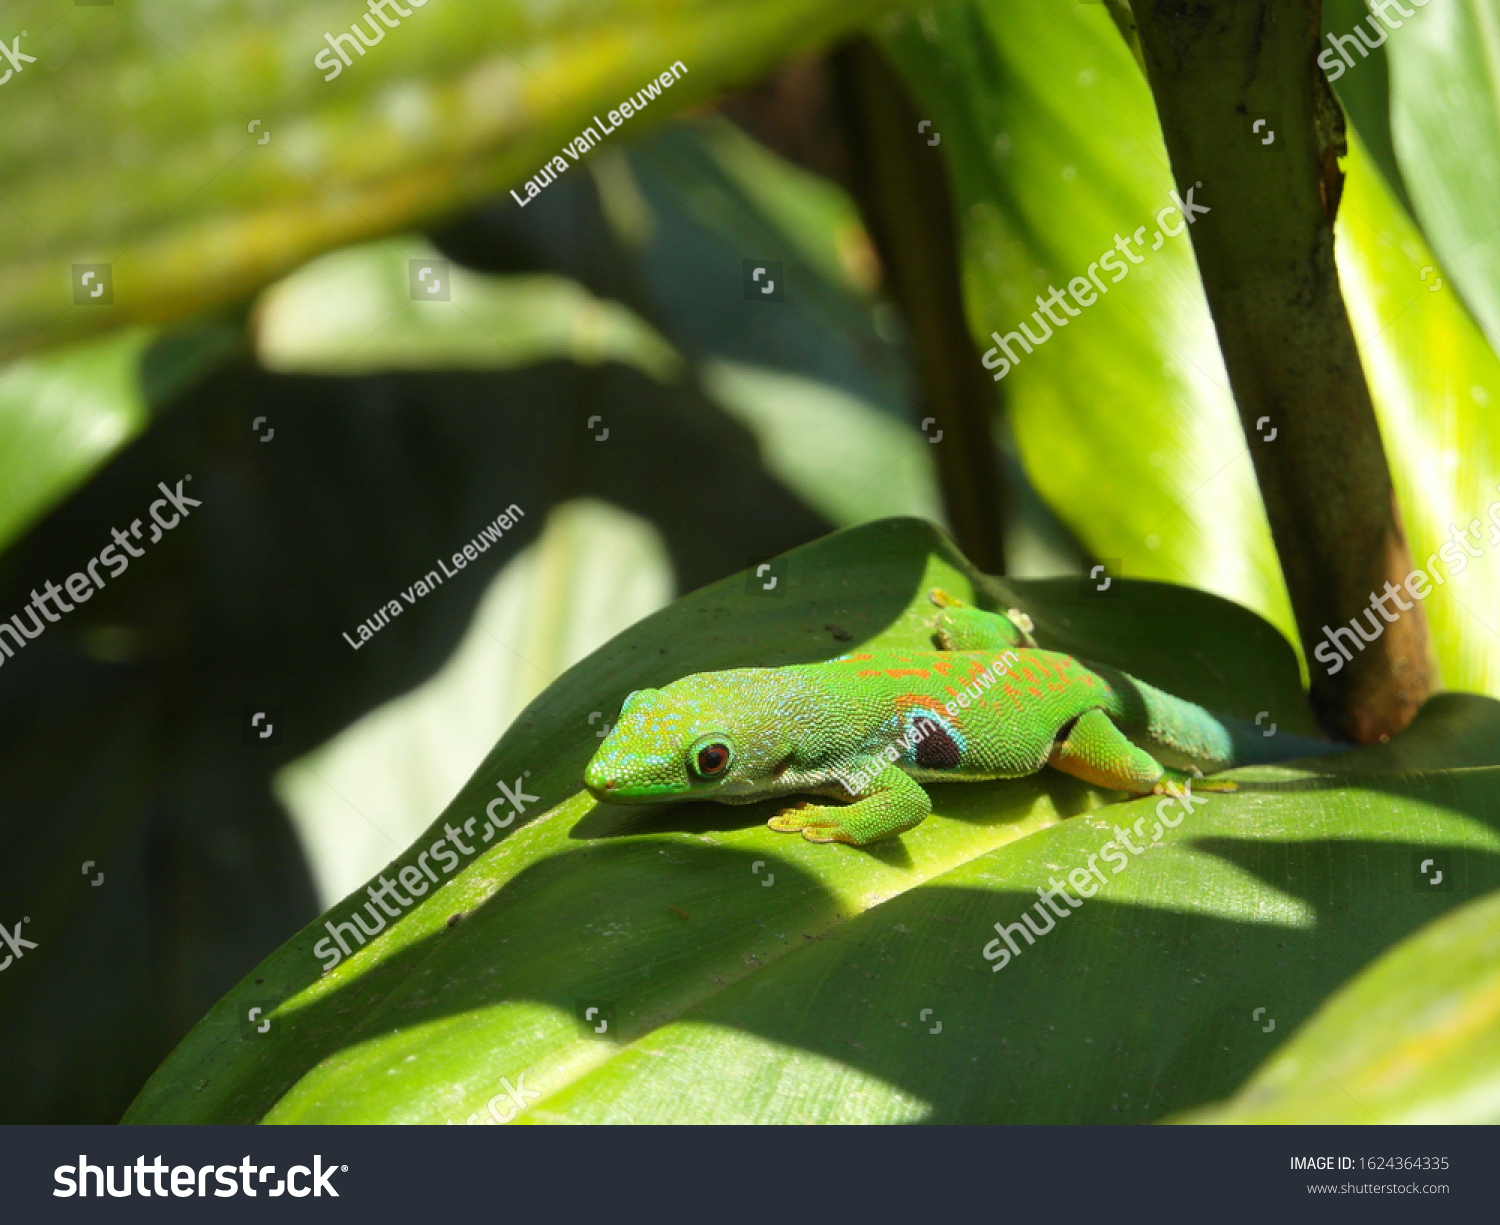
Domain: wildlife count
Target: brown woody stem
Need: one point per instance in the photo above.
(1265, 251)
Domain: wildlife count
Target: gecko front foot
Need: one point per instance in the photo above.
(814, 822)
(893, 805)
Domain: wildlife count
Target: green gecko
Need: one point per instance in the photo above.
(872, 727)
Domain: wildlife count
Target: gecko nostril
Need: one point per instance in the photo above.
(609, 785)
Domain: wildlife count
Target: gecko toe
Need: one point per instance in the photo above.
(827, 833)
(789, 822)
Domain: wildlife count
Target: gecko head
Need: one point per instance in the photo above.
(693, 739)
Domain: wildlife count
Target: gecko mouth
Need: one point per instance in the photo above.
(616, 792)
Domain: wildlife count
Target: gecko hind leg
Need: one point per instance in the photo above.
(962, 627)
(1098, 752)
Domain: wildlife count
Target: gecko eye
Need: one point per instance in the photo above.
(711, 760)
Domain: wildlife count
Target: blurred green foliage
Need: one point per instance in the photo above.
(166, 177)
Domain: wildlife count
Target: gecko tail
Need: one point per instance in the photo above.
(1260, 745)
(1184, 735)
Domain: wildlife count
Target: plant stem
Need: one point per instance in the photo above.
(900, 181)
(1265, 251)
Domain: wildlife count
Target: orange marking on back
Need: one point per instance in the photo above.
(1029, 679)
(1073, 673)
(898, 672)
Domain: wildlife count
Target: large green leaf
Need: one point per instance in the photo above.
(749, 975)
(351, 312)
(120, 735)
(1124, 418)
(1436, 385)
(257, 162)
(1414, 1039)
(1445, 124)
(1433, 375)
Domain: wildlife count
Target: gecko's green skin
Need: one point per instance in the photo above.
(831, 729)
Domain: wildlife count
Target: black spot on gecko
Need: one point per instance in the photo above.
(839, 633)
(936, 749)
